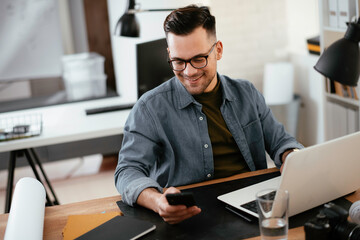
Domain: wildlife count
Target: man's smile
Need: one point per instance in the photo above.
(193, 79)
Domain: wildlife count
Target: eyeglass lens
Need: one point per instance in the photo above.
(196, 62)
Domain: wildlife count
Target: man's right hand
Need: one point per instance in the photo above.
(172, 214)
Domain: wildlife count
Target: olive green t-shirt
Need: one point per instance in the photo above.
(228, 159)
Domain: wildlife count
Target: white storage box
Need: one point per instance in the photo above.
(84, 76)
(85, 87)
(83, 64)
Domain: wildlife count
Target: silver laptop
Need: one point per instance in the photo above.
(313, 176)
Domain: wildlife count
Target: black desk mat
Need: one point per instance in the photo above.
(214, 221)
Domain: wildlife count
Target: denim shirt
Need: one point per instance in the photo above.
(166, 141)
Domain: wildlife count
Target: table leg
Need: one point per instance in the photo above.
(36, 158)
(32, 165)
(9, 188)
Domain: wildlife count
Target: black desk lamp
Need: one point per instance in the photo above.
(340, 61)
(127, 25)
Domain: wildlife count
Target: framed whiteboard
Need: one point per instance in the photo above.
(30, 39)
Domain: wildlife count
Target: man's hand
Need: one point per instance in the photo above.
(175, 213)
(284, 155)
(172, 214)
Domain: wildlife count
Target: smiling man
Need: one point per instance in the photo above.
(201, 76)
(197, 126)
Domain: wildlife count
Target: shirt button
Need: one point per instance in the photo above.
(206, 146)
(201, 118)
(209, 175)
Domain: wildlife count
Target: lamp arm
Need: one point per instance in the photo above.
(160, 10)
(137, 8)
(133, 11)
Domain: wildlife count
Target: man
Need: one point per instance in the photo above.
(197, 126)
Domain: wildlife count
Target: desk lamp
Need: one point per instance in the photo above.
(340, 61)
(127, 25)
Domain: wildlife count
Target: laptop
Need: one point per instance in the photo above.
(312, 176)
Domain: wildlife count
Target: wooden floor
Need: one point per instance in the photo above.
(80, 188)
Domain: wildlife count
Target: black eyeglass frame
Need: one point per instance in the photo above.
(189, 61)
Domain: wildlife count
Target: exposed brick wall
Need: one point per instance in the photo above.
(252, 31)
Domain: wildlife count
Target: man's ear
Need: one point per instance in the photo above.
(219, 50)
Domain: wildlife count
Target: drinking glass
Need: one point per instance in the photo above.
(273, 210)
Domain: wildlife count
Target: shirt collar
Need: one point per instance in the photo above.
(185, 98)
(228, 94)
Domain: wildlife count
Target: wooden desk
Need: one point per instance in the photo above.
(56, 216)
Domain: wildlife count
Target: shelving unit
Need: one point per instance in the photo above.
(342, 115)
(349, 102)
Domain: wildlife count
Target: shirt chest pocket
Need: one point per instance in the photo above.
(255, 140)
(253, 132)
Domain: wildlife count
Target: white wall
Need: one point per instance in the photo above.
(310, 85)
(256, 32)
(302, 23)
(302, 19)
(32, 62)
(253, 33)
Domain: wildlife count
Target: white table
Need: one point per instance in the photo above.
(62, 124)
(69, 122)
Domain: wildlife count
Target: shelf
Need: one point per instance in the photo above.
(333, 29)
(346, 101)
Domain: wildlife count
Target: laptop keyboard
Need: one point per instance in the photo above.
(251, 206)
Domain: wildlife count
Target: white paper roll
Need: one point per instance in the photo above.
(26, 217)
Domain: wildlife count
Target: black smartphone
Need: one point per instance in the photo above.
(185, 198)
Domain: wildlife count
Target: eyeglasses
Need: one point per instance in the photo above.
(197, 62)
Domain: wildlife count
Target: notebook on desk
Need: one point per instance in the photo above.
(313, 176)
(120, 228)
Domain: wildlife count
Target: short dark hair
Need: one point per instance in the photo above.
(184, 20)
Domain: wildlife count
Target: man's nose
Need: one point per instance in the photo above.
(189, 70)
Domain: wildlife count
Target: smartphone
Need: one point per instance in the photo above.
(185, 198)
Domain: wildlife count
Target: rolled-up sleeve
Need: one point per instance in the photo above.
(137, 155)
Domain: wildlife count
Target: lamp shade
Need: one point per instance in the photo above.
(340, 61)
(128, 25)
